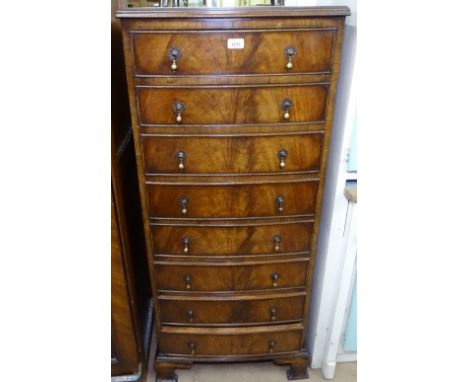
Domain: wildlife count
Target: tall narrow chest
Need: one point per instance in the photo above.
(232, 112)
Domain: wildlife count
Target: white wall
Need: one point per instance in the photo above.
(329, 260)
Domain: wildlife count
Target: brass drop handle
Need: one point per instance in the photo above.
(275, 276)
(277, 241)
(193, 346)
(186, 242)
(190, 315)
(174, 55)
(178, 108)
(282, 155)
(181, 157)
(289, 53)
(273, 313)
(280, 203)
(271, 345)
(188, 282)
(183, 202)
(286, 105)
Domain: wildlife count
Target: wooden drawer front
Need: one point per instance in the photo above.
(216, 311)
(203, 52)
(226, 201)
(215, 155)
(231, 240)
(230, 344)
(262, 276)
(232, 105)
(204, 278)
(230, 278)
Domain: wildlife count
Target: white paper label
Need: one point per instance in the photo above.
(235, 43)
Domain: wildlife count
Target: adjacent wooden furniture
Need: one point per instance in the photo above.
(231, 112)
(132, 310)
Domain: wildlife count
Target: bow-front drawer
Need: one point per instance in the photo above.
(233, 52)
(231, 310)
(232, 201)
(231, 240)
(229, 341)
(222, 105)
(223, 155)
(182, 276)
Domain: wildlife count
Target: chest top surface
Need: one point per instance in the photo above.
(224, 12)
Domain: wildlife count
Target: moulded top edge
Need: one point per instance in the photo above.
(278, 11)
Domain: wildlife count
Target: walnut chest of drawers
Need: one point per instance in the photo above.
(232, 112)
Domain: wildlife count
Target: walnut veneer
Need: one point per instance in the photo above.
(231, 145)
(131, 307)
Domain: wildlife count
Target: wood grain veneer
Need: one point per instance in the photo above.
(231, 241)
(223, 201)
(211, 218)
(232, 105)
(131, 307)
(209, 311)
(218, 277)
(230, 155)
(204, 52)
